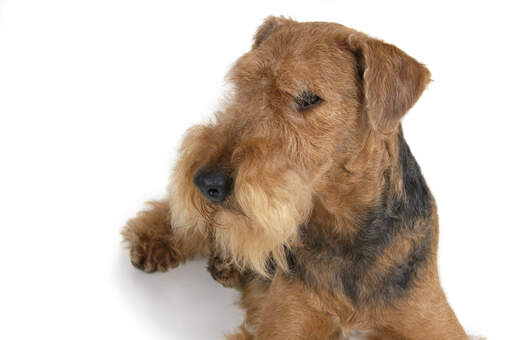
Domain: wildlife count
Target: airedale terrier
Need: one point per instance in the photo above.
(304, 194)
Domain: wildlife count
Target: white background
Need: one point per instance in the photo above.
(95, 96)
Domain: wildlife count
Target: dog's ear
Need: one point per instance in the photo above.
(392, 80)
(270, 25)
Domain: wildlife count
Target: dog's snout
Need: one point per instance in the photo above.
(214, 185)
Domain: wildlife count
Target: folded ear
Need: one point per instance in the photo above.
(392, 80)
(270, 25)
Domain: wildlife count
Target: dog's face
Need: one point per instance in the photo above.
(305, 99)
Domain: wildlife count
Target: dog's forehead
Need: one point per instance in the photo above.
(297, 56)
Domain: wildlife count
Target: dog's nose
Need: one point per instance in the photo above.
(214, 185)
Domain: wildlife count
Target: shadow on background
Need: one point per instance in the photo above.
(184, 303)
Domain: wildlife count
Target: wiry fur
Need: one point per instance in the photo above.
(329, 226)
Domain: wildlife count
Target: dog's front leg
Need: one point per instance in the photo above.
(156, 244)
(290, 311)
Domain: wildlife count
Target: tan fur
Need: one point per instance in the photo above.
(291, 233)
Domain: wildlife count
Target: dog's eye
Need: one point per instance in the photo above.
(306, 100)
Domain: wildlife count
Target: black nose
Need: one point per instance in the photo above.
(213, 184)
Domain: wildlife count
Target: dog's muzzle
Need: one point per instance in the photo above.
(213, 184)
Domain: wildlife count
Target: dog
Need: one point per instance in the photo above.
(304, 195)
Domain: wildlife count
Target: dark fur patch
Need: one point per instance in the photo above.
(271, 264)
(350, 287)
(348, 261)
(401, 276)
(417, 196)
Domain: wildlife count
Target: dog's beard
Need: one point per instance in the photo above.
(268, 211)
(271, 209)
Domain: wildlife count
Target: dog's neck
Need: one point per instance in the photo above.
(385, 200)
(371, 177)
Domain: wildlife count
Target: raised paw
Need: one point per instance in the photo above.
(224, 272)
(151, 240)
(153, 256)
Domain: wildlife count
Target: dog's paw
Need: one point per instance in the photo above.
(151, 240)
(150, 251)
(224, 272)
(153, 256)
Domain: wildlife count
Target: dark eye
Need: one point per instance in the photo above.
(306, 100)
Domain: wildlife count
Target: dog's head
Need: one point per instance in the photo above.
(306, 99)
